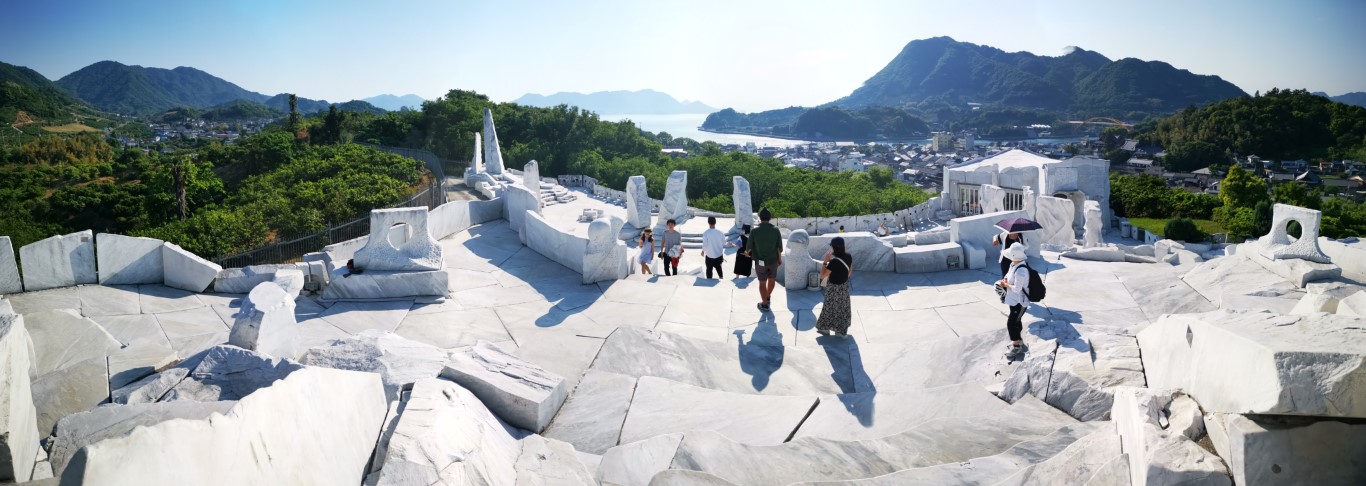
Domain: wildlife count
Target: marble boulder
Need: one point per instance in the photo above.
(18, 417)
(743, 201)
(398, 360)
(1265, 450)
(230, 373)
(871, 254)
(605, 255)
(447, 436)
(187, 271)
(1056, 216)
(523, 394)
(1159, 453)
(1286, 364)
(79, 430)
(675, 200)
(59, 261)
(795, 272)
(531, 176)
(125, 260)
(1094, 225)
(266, 323)
(493, 154)
(319, 426)
(10, 283)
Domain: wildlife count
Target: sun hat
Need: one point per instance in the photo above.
(1015, 253)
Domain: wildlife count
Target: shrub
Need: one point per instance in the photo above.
(1182, 229)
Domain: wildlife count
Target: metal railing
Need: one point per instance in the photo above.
(293, 249)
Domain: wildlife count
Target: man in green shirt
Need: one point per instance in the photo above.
(766, 248)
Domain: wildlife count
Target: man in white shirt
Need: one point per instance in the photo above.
(713, 247)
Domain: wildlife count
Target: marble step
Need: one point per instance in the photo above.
(944, 441)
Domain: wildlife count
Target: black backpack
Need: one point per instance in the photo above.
(1036, 290)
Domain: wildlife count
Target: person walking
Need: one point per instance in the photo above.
(647, 251)
(743, 265)
(713, 248)
(766, 249)
(1015, 282)
(673, 249)
(836, 313)
(1004, 240)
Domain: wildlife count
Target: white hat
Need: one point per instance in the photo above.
(1015, 253)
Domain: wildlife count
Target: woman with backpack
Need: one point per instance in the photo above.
(836, 312)
(1015, 283)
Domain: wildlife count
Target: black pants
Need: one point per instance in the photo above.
(1013, 325)
(670, 265)
(715, 263)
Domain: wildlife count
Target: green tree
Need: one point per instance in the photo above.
(1240, 189)
(1261, 217)
(1296, 194)
(881, 176)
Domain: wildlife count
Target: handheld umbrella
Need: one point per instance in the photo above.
(1016, 225)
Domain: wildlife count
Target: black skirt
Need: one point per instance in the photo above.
(743, 265)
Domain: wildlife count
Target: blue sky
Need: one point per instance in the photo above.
(745, 54)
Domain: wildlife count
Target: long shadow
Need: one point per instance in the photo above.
(758, 358)
(500, 246)
(857, 391)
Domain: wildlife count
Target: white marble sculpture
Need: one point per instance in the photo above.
(1055, 216)
(797, 263)
(531, 177)
(1279, 245)
(1093, 224)
(9, 269)
(477, 162)
(744, 203)
(675, 199)
(420, 252)
(1030, 202)
(266, 324)
(493, 155)
(605, 257)
(993, 199)
(637, 203)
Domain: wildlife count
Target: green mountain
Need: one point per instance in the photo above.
(360, 106)
(1357, 98)
(947, 81)
(138, 90)
(23, 89)
(942, 69)
(240, 110)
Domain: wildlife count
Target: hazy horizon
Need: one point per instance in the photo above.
(746, 55)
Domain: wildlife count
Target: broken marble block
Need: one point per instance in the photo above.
(1158, 452)
(445, 435)
(187, 271)
(547, 462)
(10, 283)
(376, 284)
(291, 280)
(398, 360)
(18, 416)
(230, 373)
(675, 205)
(242, 280)
(419, 253)
(1276, 450)
(125, 260)
(605, 255)
(150, 388)
(1260, 362)
(521, 393)
(316, 426)
(74, 388)
(265, 323)
(79, 430)
(135, 361)
(59, 261)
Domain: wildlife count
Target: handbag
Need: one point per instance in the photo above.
(826, 279)
(675, 251)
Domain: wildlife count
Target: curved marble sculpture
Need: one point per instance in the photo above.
(420, 252)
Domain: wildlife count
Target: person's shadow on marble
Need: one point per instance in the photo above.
(763, 354)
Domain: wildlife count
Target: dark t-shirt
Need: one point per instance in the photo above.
(840, 273)
(765, 243)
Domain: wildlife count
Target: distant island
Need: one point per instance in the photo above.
(643, 102)
(396, 103)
